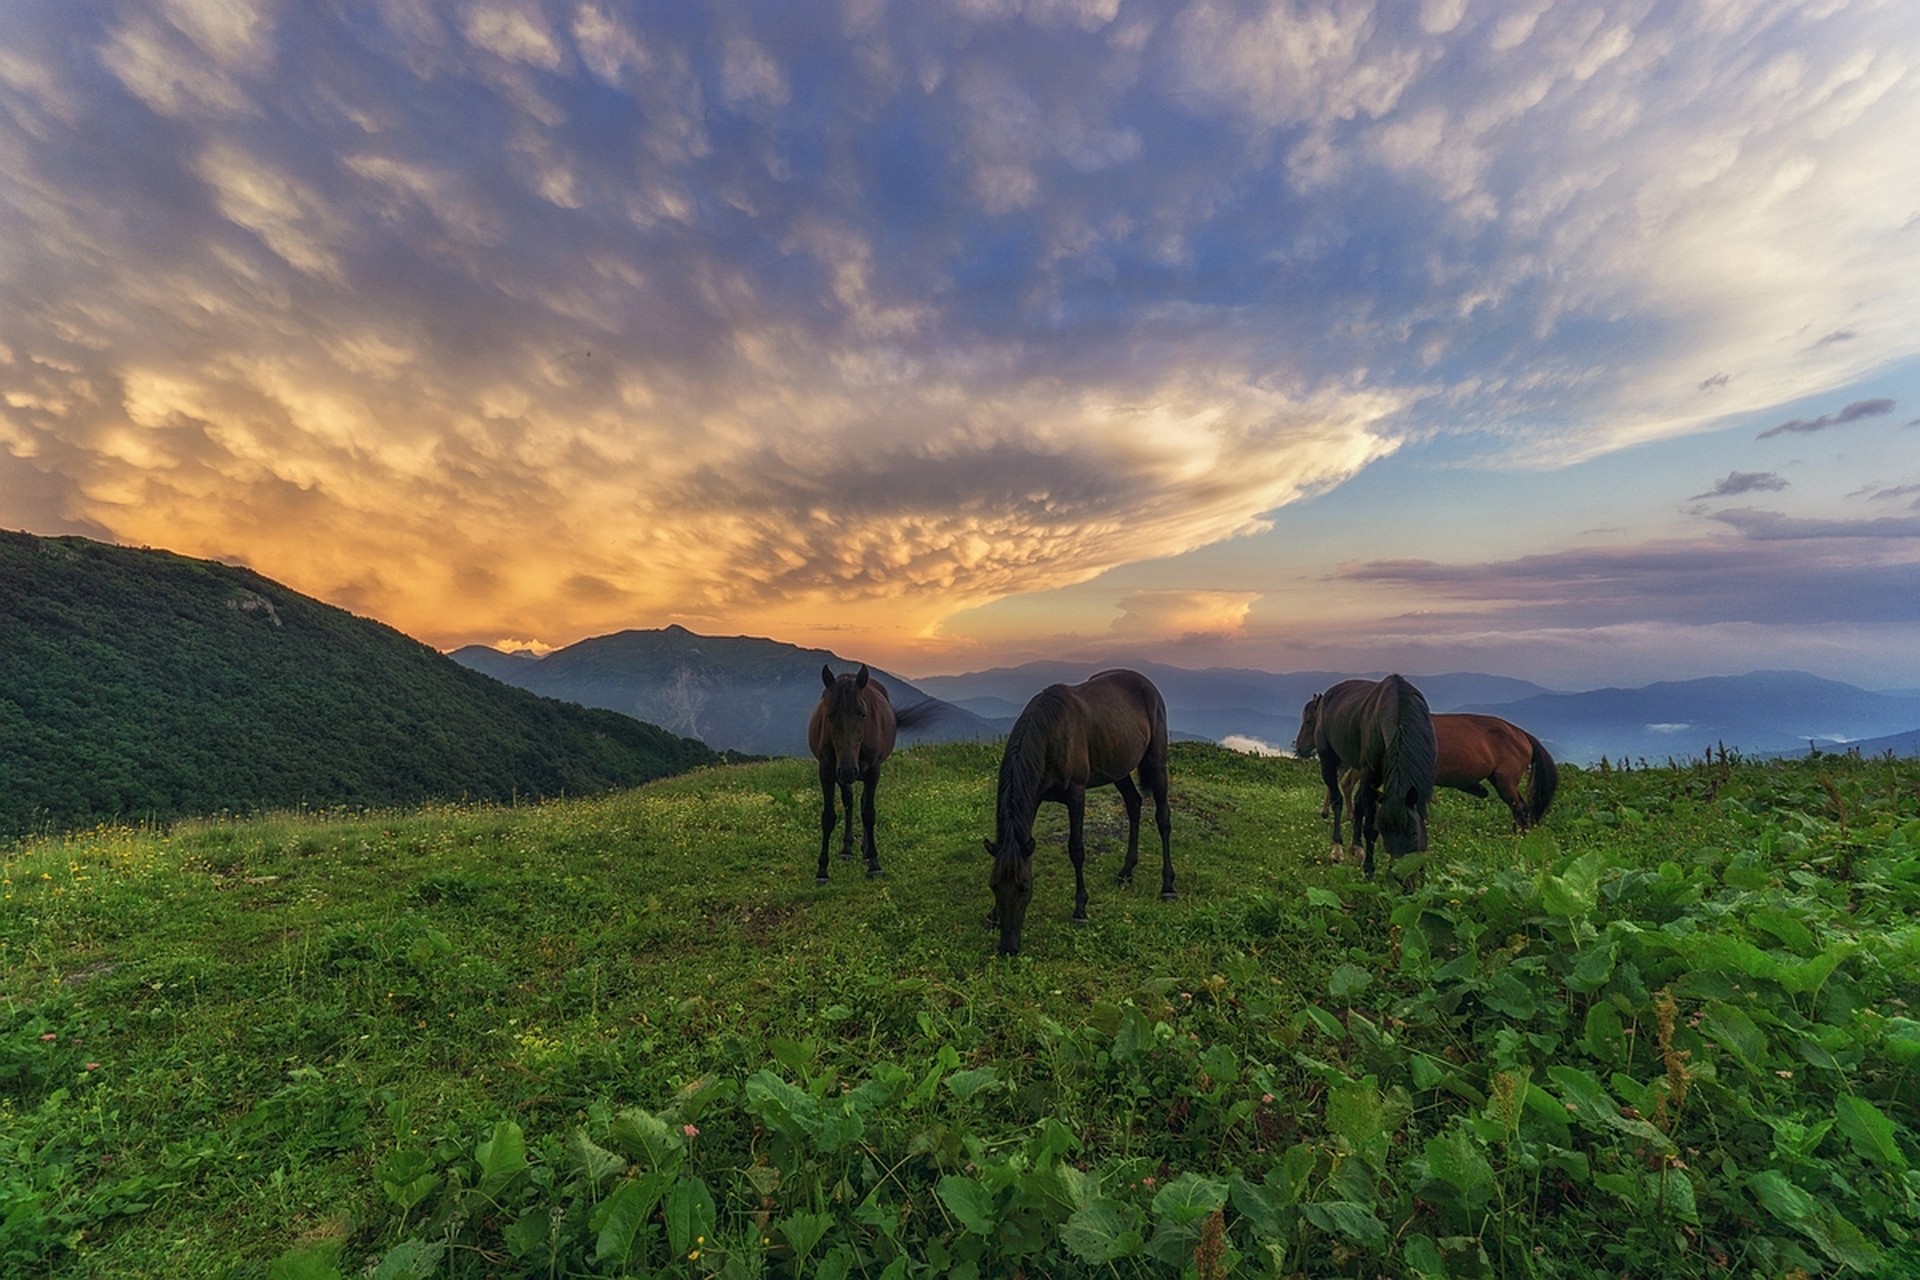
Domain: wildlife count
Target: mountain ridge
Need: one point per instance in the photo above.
(141, 685)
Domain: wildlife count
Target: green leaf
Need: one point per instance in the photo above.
(1189, 1198)
(1348, 1220)
(1731, 1028)
(1423, 1258)
(1256, 1207)
(502, 1157)
(964, 1084)
(1605, 1035)
(790, 1111)
(1592, 1104)
(597, 1164)
(315, 1261)
(1781, 1197)
(1457, 1160)
(649, 1138)
(621, 1215)
(1573, 893)
(407, 1177)
(410, 1260)
(689, 1213)
(1870, 1132)
(969, 1202)
(802, 1231)
(1348, 981)
(1317, 897)
(1102, 1230)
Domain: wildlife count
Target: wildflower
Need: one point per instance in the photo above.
(93, 1066)
(50, 1036)
(690, 1130)
(1266, 1097)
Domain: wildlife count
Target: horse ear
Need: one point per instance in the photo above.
(860, 681)
(826, 675)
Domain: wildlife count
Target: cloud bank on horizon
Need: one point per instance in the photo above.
(508, 317)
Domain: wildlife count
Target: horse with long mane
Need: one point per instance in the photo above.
(1069, 738)
(851, 733)
(1383, 729)
(1470, 751)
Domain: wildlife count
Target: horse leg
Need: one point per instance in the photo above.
(1330, 775)
(1510, 792)
(846, 832)
(871, 849)
(1077, 849)
(826, 820)
(1131, 795)
(1156, 781)
(1366, 805)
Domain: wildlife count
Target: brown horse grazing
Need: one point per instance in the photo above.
(851, 733)
(1474, 749)
(1383, 729)
(1069, 738)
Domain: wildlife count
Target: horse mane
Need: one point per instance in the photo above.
(1021, 777)
(1411, 755)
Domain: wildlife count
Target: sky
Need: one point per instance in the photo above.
(1578, 342)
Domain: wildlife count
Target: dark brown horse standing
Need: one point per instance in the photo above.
(1471, 750)
(851, 733)
(1383, 729)
(1069, 738)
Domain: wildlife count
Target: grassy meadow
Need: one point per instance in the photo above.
(1673, 1032)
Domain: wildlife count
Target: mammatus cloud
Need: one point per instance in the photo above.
(543, 318)
(1744, 482)
(1852, 413)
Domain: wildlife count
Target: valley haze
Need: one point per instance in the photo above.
(753, 694)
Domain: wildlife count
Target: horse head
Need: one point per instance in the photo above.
(846, 719)
(1309, 725)
(1012, 883)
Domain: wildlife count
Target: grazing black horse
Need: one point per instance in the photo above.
(1069, 738)
(851, 733)
(1383, 729)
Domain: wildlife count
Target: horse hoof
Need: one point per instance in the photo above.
(1125, 880)
(874, 873)
(1082, 921)
(820, 880)
(1168, 895)
(846, 853)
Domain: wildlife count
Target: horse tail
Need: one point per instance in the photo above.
(921, 714)
(1546, 780)
(1412, 756)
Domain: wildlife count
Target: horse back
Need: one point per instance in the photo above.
(1345, 728)
(1125, 724)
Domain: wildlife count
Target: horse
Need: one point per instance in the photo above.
(1476, 749)
(851, 733)
(1068, 738)
(1383, 729)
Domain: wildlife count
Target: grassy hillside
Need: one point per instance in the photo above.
(1673, 1033)
(140, 685)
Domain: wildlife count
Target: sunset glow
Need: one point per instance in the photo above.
(1580, 342)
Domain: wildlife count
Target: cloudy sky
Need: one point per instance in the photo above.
(1573, 341)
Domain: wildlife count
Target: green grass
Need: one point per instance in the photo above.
(1672, 1033)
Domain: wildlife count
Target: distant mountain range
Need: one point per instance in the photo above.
(139, 685)
(754, 695)
(1761, 713)
(734, 693)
